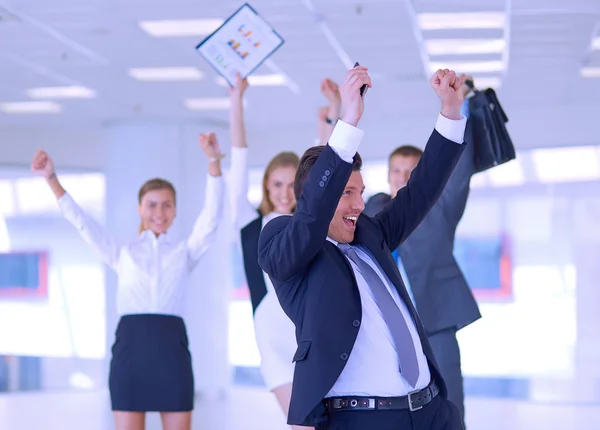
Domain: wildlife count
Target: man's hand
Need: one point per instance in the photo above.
(238, 89)
(352, 102)
(331, 91)
(447, 86)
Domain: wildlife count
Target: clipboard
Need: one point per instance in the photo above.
(240, 45)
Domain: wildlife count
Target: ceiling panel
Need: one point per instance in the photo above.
(94, 43)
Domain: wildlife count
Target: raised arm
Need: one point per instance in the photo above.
(454, 197)
(329, 115)
(92, 232)
(205, 227)
(288, 244)
(242, 211)
(412, 203)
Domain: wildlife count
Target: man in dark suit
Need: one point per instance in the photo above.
(436, 284)
(363, 358)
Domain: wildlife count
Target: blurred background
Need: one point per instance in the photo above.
(116, 93)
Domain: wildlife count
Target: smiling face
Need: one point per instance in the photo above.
(350, 206)
(280, 189)
(157, 210)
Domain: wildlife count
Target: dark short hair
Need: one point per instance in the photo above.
(308, 160)
(406, 151)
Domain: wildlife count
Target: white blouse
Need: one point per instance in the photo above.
(152, 271)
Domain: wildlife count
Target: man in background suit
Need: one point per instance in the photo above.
(431, 274)
(363, 359)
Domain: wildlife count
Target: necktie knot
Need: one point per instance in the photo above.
(344, 247)
(348, 251)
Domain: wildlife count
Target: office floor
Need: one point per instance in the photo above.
(250, 409)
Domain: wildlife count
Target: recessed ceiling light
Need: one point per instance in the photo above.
(467, 66)
(590, 72)
(596, 43)
(566, 164)
(464, 46)
(443, 21)
(166, 74)
(181, 28)
(221, 103)
(30, 107)
(71, 92)
(271, 80)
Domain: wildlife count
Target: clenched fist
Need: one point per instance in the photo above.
(448, 87)
(42, 164)
(210, 145)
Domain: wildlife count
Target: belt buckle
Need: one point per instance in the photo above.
(410, 403)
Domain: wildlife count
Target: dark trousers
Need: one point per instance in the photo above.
(440, 414)
(447, 354)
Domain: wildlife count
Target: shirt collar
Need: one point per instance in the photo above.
(149, 236)
(332, 241)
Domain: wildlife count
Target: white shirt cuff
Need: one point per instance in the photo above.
(345, 140)
(452, 129)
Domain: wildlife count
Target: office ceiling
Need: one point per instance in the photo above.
(535, 51)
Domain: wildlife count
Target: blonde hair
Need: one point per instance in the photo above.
(154, 185)
(283, 159)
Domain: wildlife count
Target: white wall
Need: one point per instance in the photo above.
(539, 126)
(76, 147)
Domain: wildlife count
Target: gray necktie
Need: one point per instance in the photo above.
(403, 343)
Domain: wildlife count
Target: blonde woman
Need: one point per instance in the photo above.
(151, 368)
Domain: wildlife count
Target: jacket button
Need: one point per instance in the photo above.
(321, 184)
(356, 323)
(327, 172)
(324, 178)
(344, 356)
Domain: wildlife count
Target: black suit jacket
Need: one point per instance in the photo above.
(442, 295)
(315, 283)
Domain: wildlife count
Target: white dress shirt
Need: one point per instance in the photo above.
(372, 367)
(152, 271)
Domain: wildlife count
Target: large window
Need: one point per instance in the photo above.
(69, 320)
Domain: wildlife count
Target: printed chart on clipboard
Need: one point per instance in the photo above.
(240, 45)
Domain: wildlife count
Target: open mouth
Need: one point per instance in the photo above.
(350, 222)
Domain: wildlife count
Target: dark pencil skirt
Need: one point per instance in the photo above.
(151, 367)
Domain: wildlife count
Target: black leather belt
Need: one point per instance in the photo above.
(412, 402)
